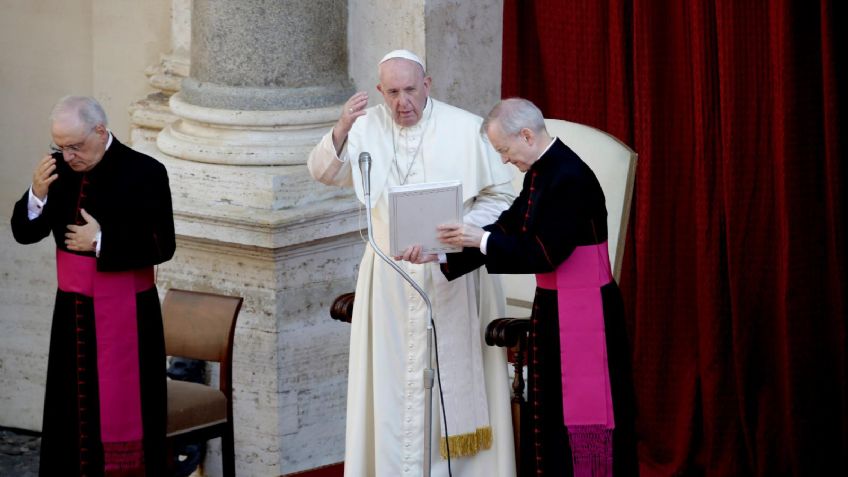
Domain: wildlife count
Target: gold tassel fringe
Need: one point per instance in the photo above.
(468, 444)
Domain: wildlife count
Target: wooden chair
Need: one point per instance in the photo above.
(201, 326)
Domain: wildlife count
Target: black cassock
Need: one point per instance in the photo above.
(561, 208)
(128, 194)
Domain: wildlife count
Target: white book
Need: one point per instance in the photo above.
(415, 210)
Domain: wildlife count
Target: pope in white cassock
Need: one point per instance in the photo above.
(413, 138)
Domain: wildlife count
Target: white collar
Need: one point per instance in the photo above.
(553, 140)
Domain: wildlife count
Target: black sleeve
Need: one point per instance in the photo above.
(460, 263)
(28, 231)
(538, 237)
(558, 225)
(471, 258)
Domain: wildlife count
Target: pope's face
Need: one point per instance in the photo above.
(405, 89)
(82, 147)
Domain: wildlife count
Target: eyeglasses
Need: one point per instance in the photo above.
(72, 148)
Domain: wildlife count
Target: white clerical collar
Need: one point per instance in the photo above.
(553, 140)
(109, 141)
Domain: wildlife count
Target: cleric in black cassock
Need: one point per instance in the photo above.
(109, 209)
(580, 419)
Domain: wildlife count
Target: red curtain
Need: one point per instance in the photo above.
(734, 275)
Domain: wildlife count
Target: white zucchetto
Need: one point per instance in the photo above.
(405, 54)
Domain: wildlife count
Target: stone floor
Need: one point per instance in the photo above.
(18, 453)
(19, 457)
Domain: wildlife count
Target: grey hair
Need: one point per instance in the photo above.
(88, 110)
(513, 115)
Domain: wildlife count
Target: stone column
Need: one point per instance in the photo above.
(284, 61)
(266, 81)
(149, 115)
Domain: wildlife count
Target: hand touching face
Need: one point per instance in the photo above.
(43, 175)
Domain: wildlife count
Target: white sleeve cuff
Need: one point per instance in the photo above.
(484, 241)
(97, 241)
(443, 257)
(34, 205)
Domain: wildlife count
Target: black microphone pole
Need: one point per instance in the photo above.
(429, 374)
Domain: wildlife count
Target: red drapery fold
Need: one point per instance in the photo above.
(734, 274)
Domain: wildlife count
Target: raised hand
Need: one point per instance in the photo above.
(354, 107)
(43, 175)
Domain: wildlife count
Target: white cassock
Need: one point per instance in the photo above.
(385, 403)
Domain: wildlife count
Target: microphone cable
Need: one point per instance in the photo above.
(441, 395)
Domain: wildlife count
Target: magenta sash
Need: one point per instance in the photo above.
(118, 373)
(586, 395)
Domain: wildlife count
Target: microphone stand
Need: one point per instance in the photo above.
(429, 374)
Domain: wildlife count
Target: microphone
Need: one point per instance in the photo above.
(429, 374)
(365, 169)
